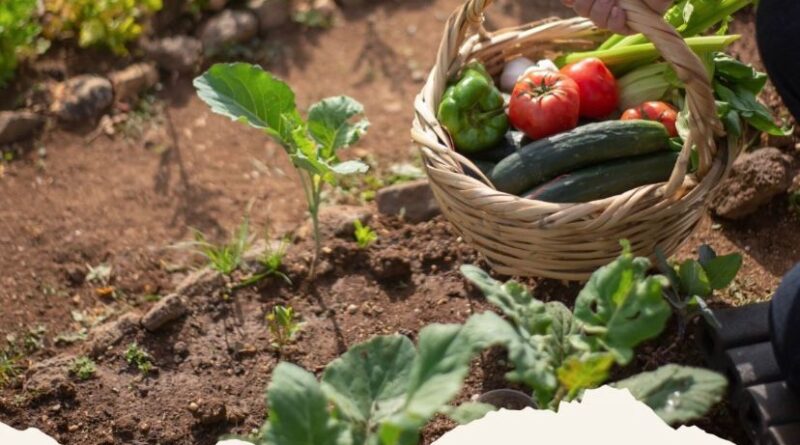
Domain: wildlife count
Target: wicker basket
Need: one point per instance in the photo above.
(525, 237)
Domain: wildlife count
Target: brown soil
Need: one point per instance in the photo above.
(123, 200)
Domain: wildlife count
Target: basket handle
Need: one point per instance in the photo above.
(704, 125)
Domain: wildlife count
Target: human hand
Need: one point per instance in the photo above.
(607, 14)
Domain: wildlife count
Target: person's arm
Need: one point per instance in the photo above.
(607, 14)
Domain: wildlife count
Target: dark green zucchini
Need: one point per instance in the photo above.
(590, 144)
(607, 179)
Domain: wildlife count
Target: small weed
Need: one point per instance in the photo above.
(100, 274)
(9, 366)
(272, 261)
(283, 325)
(68, 338)
(311, 17)
(136, 356)
(33, 340)
(364, 235)
(225, 258)
(151, 298)
(83, 368)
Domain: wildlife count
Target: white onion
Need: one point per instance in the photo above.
(512, 71)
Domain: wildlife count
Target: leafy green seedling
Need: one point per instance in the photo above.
(693, 281)
(248, 94)
(138, 357)
(224, 258)
(558, 352)
(271, 262)
(794, 202)
(283, 325)
(364, 235)
(83, 368)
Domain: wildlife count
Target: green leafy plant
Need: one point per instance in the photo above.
(364, 235)
(18, 30)
(559, 353)
(691, 282)
(283, 324)
(83, 368)
(312, 17)
(248, 94)
(381, 392)
(138, 357)
(100, 274)
(107, 23)
(224, 258)
(794, 201)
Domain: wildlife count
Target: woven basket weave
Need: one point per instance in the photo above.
(525, 237)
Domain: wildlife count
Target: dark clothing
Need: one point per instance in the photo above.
(778, 35)
(784, 319)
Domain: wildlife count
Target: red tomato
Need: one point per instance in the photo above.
(544, 103)
(598, 87)
(654, 111)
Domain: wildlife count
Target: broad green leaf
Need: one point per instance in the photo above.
(298, 411)
(667, 269)
(705, 254)
(368, 383)
(532, 359)
(694, 280)
(678, 394)
(329, 123)
(621, 306)
(248, 94)
(722, 270)
(436, 377)
(349, 167)
(513, 299)
(578, 374)
(699, 305)
(468, 411)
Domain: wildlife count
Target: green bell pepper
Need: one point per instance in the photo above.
(473, 111)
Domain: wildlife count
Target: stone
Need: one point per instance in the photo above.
(166, 310)
(19, 125)
(80, 98)
(199, 281)
(178, 54)
(413, 201)
(104, 336)
(755, 179)
(211, 413)
(337, 221)
(51, 378)
(227, 28)
(133, 80)
(271, 14)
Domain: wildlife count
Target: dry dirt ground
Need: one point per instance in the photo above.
(77, 200)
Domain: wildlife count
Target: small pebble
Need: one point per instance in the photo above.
(352, 309)
(193, 407)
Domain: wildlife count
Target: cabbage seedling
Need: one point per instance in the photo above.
(364, 235)
(248, 94)
(283, 325)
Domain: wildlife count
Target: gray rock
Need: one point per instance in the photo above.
(18, 125)
(271, 14)
(414, 201)
(180, 53)
(82, 98)
(104, 336)
(755, 179)
(168, 309)
(338, 220)
(133, 80)
(227, 28)
(199, 281)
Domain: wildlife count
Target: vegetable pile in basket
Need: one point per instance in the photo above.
(605, 122)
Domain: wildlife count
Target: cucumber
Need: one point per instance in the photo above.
(590, 144)
(484, 166)
(607, 179)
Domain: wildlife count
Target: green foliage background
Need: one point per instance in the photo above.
(18, 30)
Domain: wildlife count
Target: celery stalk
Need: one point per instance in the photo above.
(621, 60)
(705, 16)
(642, 85)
